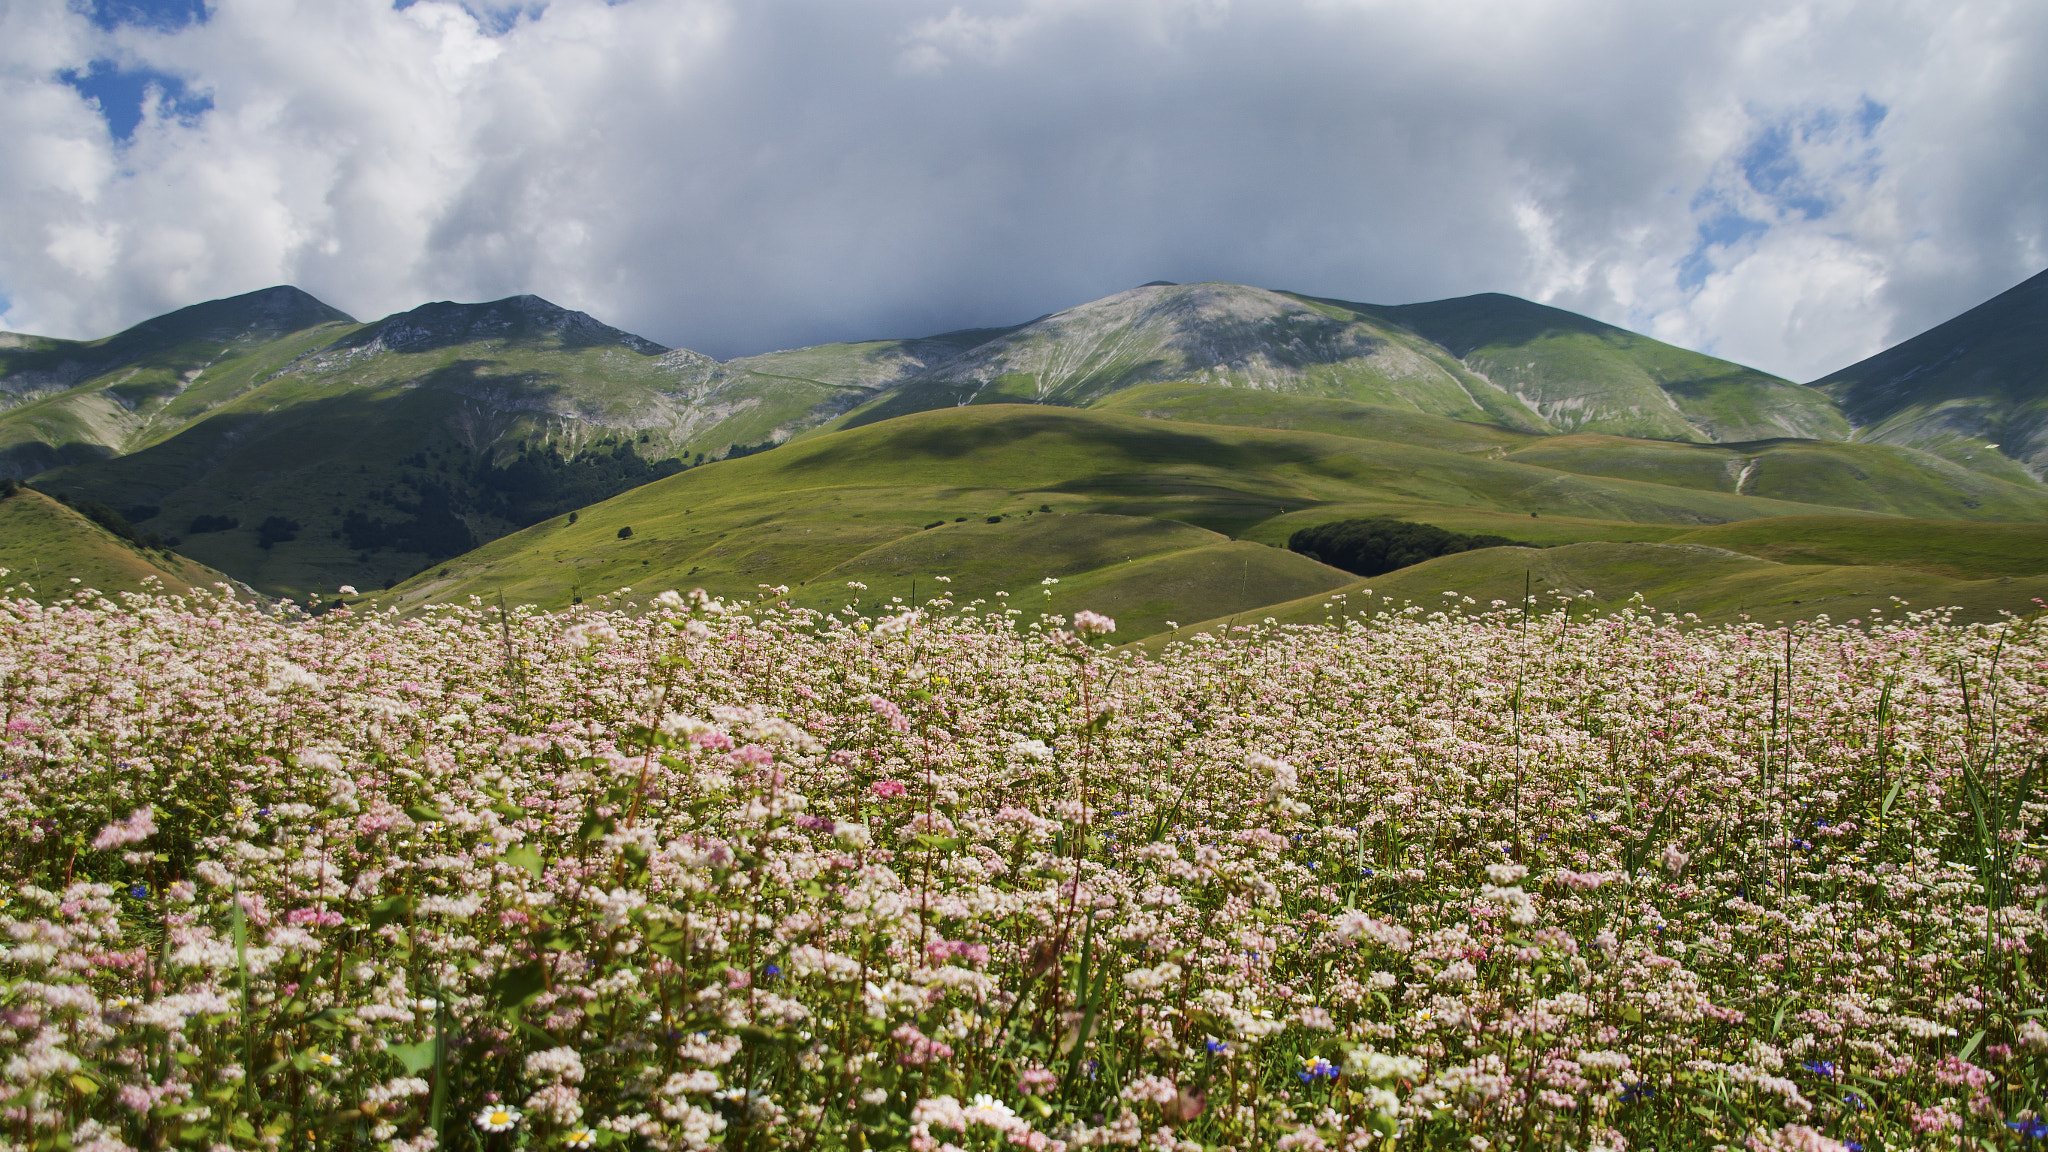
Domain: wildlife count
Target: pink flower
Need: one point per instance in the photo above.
(889, 712)
(140, 826)
(753, 755)
(919, 1048)
(1093, 623)
(888, 789)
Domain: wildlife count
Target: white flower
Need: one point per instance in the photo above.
(1032, 750)
(498, 1119)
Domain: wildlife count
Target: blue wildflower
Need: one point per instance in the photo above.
(1218, 1048)
(2031, 1129)
(140, 891)
(1825, 1069)
(1630, 1093)
(1316, 1069)
(772, 970)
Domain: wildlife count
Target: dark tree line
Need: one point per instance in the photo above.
(1382, 544)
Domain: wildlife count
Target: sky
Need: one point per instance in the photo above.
(1789, 185)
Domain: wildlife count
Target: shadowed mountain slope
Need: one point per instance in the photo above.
(1974, 389)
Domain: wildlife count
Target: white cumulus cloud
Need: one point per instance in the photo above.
(1789, 185)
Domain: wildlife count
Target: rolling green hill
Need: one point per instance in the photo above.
(50, 550)
(1712, 585)
(1135, 448)
(1874, 477)
(1120, 509)
(1959, 551)
(1974, 389)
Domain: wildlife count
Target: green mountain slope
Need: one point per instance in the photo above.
(1130, 510)
(1585, 376)
(1874, 477)
(1489, 358)
(65, 401)
(1974, 389)
(374, 450)
(45, 547)
(1206, 333)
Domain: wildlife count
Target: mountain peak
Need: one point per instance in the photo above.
(263, 314)
(523, 319)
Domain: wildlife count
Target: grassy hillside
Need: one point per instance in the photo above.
(394, 445)
(1714, 585)
(1883, 478)
(68, 401)
(1585, 376)
(1207, 333)
(1961, 551)
(1974, 389)
(50, 550)
(1129, 510)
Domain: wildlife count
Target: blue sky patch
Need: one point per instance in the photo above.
(495, 19)
(1723, 230)
(122, 92)
(162, 15)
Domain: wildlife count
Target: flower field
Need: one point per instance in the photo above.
(675, 874)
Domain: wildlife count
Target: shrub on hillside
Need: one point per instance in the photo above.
(1382, 544)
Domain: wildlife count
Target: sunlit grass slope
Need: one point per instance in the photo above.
(1075, 491)
(1601, 577)
(45, 546)
(1962, 551)
(1892, 479)
(1585, 376)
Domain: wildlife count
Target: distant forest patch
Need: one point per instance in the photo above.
(1381, 544)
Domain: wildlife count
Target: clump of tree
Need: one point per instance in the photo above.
(739, 450)
(1380, 544)
(106, 518)
(539, 483)
(434, 526)
(276, 530)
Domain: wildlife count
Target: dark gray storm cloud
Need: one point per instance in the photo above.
(1792, 186)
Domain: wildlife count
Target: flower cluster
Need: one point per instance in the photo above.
(677, 874)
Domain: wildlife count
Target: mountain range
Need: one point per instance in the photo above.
(283, 442)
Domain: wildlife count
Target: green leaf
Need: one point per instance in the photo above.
(390, 910)
(1971, 1046)
(516, 986)
(525, 857)
(425, 815)
(84, 1083)
(415, 1057)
